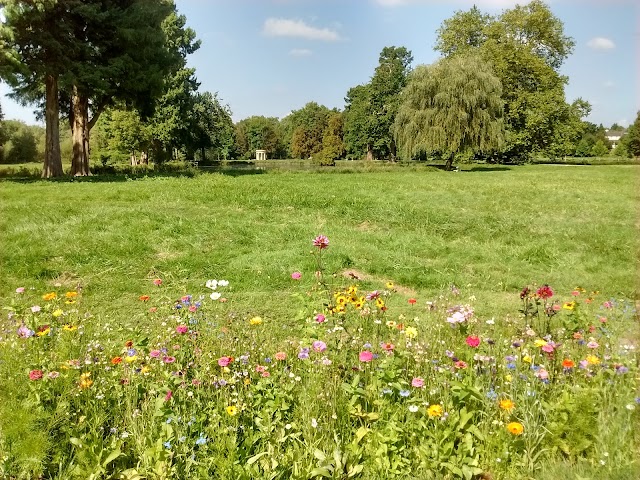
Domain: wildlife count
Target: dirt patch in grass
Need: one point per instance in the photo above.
(354, 274)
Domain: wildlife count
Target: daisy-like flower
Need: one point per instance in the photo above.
(435, 411)
(506, 404)
(232, 410)
(515, 428)
(321, 241)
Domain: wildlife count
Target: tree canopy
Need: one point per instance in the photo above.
(451, 107)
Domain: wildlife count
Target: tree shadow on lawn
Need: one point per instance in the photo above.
(19, 177)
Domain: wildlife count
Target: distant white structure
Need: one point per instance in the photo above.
(614, 136)
(261, 154)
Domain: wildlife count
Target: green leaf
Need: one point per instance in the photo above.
(112, 456)
(320, 472)
(257, 457)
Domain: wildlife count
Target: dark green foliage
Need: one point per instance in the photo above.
(259, 133)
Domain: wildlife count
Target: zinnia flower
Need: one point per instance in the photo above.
(435, 411)
(182, 329)
(366, 356)
(321, 242)
(412, 301)
(411, 332)
(515, 428)
(225, 361)
(35, 375)
(544, 292)
(71, 294)
(280, 356)
(320, 318)
(49, 296)
(296, 275)
(85, 381)
(20, 290)
(144, 298)
(116, 360)
(567, 363)
(473, 341)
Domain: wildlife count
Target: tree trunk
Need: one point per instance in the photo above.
(202, 154)
(144, 157)
(80, 134)
(134, 159)
(449, 165)
(369, 153)
(52, 161)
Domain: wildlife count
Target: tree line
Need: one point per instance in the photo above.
(115, 71)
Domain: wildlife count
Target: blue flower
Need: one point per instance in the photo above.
(405, 393)
(201, 440)
(511, 366)
(167, 444)
(492, 395)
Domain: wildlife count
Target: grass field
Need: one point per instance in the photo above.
(405, 233)
(488, 231)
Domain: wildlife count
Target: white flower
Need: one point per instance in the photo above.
(223, 283)
(215, 296)
(491, 322)
(212, 284)
(314, 423)
(413, 408)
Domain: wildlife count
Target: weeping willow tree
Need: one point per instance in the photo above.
(450, 107)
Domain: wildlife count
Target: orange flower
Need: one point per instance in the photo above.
(144, 298)
(515, 428)
(49, 296)
(116, 360)
(507, 404)
(71, 294)
(567, 363)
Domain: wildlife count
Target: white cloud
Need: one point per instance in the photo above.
(470, 3)
(601, 43)
(300, 52)
(282, 27)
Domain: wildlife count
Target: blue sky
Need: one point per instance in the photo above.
(268, 57)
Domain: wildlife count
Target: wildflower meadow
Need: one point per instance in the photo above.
(366, 384)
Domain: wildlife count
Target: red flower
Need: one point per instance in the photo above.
(144, 298)
(35, 375)
(545, 292)
(473, 341)
(412, 301)
(157, 282)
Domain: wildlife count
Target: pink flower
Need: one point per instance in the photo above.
(182, 329)
(225, 361)
(266, 374)
(417, 382)
(193, 308)
(387, 347)
(545, 292)
(153, 309)
(168, 359)
(168, 396)
(261, 368)
(53, 375)
(320, 318)
(366, 356)
(319, 346)
(321, 242)
(556, 307)
(542, 374)
(473, 341)
(593, 344)
(20, 290)
(157, 282)
(35, 309)
(296, 275)
(154, 353)
(548, 347)
(280, 356)
(35, 375)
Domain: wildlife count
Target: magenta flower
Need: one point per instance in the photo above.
(417, 382)
(296, 275)
(35, 375)
(473, 341)
(168, 396)
(320, 318)
(169, 359)
(319, 346)
(182, 329)
(366, 356)
(155, 353)
(321, 241)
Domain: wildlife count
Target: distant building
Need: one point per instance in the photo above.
(614, 136)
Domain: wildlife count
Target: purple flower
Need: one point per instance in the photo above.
(303, 354)
(319, 346)
(25, 332)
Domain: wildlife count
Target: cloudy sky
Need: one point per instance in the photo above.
(268, 57)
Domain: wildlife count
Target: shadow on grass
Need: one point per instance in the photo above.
(499, 168)
(109, 177)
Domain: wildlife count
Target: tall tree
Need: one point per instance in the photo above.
(526, 47)
(371, 108)
(259, 133)
(211, 125)
(304, 129)
(451, 107)
(37, 42)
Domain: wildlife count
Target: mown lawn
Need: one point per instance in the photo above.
(487, 231)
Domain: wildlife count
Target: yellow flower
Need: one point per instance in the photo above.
(391, 324)
(593, 360)
(57, 313)
(85, 381)
(508, 377)
(540, 343)
(411, 332)
(515, 428)
(49, 296)
(256, 321)
(71, 294)
(131, 359)
(341, 300)
(232, 410)
(247, 381)
(569, 305)
(507, 404)
(358, 305)
(226, 369)
(69, 328)
(352, 290)
(43, 332)
(435, 411)
(390, 285)
(527, 359)
(145, 369)
(379, 303)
